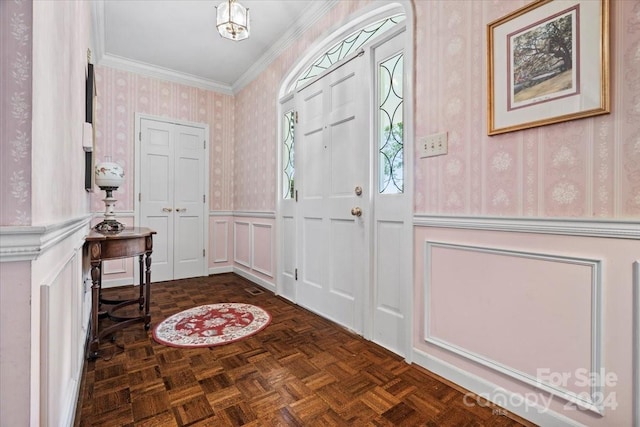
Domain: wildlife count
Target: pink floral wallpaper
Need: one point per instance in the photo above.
(588, 168)
(121, 94)
(257, 122)
(16, 31)
(58, 111)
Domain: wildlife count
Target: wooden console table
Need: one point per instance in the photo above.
(130, 242)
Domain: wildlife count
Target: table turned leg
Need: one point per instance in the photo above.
(147, 287)
(142, 297)
(94, 343)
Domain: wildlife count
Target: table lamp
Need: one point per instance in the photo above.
(109, 176)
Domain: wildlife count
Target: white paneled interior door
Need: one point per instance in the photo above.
(332, 160)
(172, 196)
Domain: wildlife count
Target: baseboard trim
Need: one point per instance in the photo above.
(221, 270)
(255, 279)
(489, 391)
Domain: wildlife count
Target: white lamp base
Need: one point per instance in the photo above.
(109, 225)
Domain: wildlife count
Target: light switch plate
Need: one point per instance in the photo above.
(433, 145)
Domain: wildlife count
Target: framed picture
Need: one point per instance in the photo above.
(548, 62)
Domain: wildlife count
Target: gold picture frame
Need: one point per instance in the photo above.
(548, 62)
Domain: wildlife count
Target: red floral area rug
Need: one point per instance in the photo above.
(209, 325)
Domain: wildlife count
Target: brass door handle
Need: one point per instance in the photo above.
(166, 209)
(356, 211)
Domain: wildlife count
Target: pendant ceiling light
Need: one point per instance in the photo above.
(232, 20)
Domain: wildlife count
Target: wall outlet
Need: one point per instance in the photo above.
(433, 145)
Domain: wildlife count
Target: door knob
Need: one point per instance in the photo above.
(181, 209)
(356, 211)
(166, 209)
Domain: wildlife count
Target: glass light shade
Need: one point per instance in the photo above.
(232, 20)
(109, 174)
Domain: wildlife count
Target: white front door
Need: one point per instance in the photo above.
(332, 161)
(172, 196)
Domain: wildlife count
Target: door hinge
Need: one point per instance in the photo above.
(296, 274)
(204, 144)
(140, 136)
(296, 195)
(139, 197)
(204, 198)
(203, 253)
(296, 117)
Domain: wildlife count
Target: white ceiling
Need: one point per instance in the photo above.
(177, 39)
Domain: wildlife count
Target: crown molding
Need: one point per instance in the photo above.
(145, 69)
(26, 243)
(568, 227)
(303, 23)
(101, 58)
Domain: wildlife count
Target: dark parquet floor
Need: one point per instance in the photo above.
(302, 370)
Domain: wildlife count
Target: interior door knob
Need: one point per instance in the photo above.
(356, 211)
(166, 209)
(181, 209)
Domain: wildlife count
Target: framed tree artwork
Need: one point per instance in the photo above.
(548, 62)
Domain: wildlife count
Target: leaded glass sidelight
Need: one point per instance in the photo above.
(288, 164)
(349, 45)
(390, 130)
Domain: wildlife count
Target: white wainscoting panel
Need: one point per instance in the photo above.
(254, 247)
(541, 317)
(262, 244)
(220, 240)
(61, 341)
(242, 243)
(558, 321)
(116, 266)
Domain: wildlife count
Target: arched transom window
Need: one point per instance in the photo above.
(338, 51)
(349, 44)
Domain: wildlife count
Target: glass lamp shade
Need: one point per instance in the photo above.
(232, 20)
(109, 174)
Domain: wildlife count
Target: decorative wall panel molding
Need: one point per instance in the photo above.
(220, 233)
(220, 213)
(448, 254)
(253, 244)
(492, 392)
(242, 243)
(261, 240)
(567, 227)
(61, 342)
(116, 266)
(26, 243)
(255, 214)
